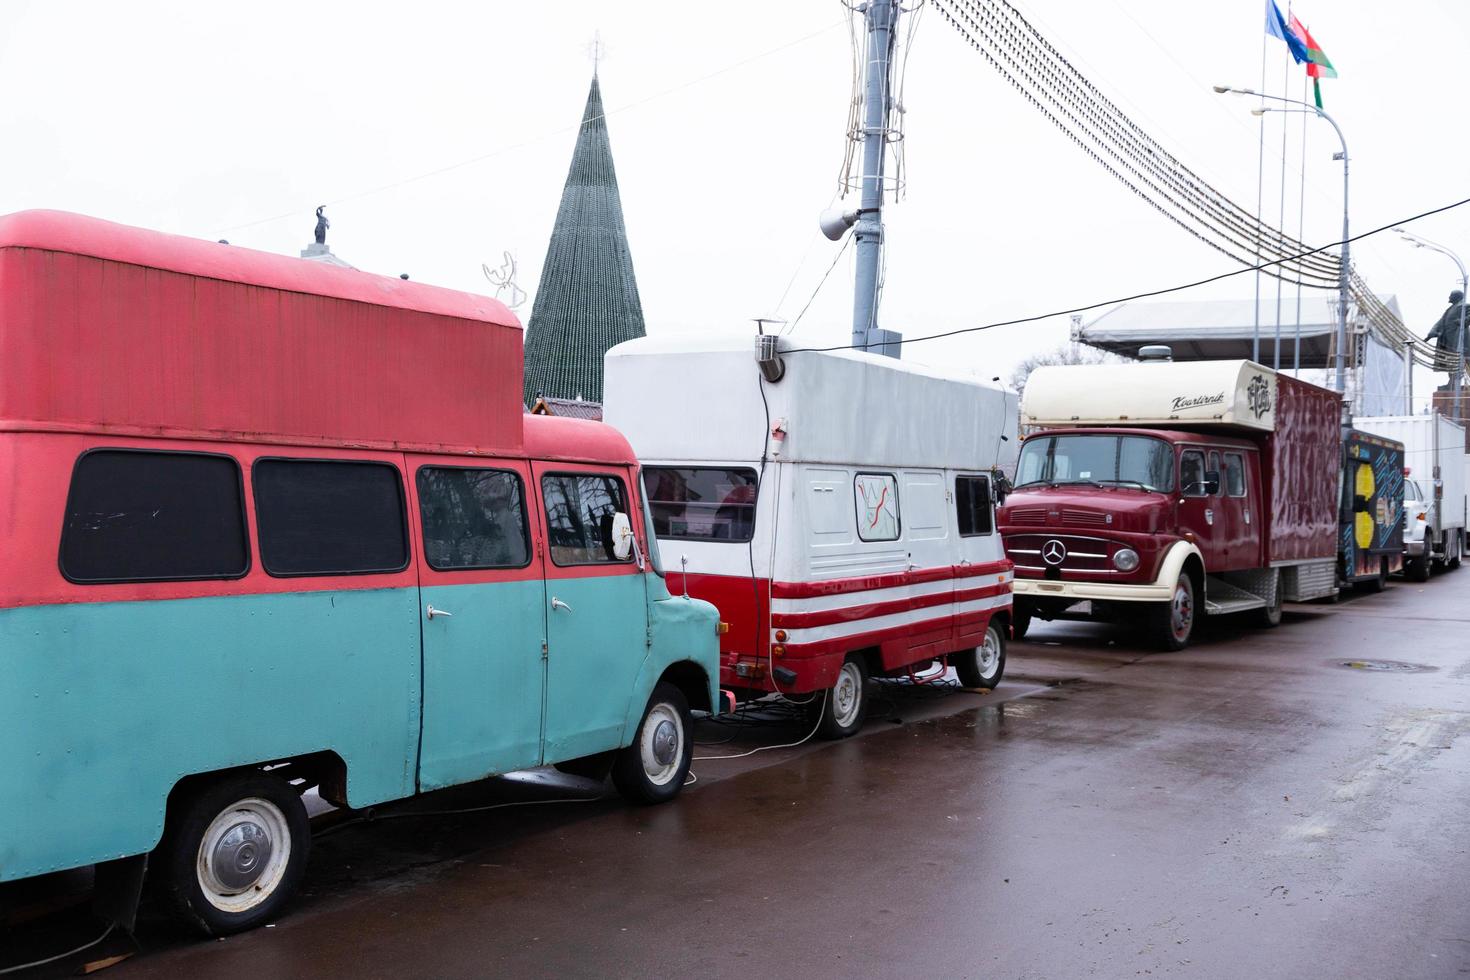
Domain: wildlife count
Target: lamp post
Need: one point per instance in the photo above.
(1342, 281)
(1459, 367)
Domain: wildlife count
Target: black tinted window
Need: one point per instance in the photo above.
(972, 501)
(329, 517)
(472, 518)
(579, 514)
(701, 503)
(145, 516)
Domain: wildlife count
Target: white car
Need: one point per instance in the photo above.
(1416, 551)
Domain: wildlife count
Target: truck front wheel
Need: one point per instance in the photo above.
(1172, 622)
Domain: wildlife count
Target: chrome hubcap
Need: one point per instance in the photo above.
(240, 855)
(1183, 610)
(847, 694)
(243, 855)
(989, 655)
(661, 743)
(665, 741)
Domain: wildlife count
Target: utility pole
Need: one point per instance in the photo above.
(881, 19)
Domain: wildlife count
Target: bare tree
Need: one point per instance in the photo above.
(1064, 354)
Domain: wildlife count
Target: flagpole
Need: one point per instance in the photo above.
(1301, 223)
(1281, 210)
(1260, 187)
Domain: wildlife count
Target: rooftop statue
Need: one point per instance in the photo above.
(322, 224)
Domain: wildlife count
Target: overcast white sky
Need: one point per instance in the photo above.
(439, 135)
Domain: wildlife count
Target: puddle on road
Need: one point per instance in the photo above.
(1387, 666)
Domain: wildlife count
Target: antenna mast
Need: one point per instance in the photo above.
(881, 19)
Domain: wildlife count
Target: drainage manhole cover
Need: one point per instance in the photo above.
(1392, 666)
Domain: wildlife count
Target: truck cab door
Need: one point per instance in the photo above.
(596, 608)
(1199, 512)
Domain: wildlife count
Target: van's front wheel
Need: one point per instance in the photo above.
(654, 767)
(234, 851)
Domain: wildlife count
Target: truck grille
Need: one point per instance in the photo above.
(1085, 518)
(1084, 554)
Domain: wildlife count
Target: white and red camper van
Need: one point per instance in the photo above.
(838, 508)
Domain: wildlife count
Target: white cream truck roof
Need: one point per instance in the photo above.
(1239, 394)
(699, 398)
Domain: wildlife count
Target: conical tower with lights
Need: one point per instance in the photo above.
(587, 300)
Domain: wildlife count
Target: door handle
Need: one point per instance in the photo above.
(558, 604)
(432, 612)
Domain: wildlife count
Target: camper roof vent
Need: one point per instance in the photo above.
(1156, 353)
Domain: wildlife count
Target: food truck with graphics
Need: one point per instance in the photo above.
(1371, 532)
(1435, 501)
(836, 506)
(1172, 490)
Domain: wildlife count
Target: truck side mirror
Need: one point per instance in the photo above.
(1212, 482)
(1000, 486)
(622, 536)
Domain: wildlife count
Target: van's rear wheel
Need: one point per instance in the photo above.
(1172, 622)
(233, 852)
(984, 665)
(654, 767)
(1416, 569)
(1271, 615)
(846, 704)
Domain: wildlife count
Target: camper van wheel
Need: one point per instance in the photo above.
(984, 665)
(845, 704)
(233, 852)
(653, 768)
(1173, 622)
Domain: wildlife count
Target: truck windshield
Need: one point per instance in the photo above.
(1136, 461)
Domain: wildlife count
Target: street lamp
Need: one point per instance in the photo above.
(1342, 282)
(1459, 367)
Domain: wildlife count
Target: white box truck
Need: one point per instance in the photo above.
(1435, 504)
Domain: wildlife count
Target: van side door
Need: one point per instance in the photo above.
(482, 598)
(596, 608)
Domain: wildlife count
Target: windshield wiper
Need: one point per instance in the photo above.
(1077, 483)
(1030, 483)
(1136, 483)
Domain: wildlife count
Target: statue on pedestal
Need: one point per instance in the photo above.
(322, 224)
(1447, 334)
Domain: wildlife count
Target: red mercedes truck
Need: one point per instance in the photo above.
(1160, 492)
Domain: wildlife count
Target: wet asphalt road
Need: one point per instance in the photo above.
(1249, 807)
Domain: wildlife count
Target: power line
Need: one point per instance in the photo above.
(1145, 295)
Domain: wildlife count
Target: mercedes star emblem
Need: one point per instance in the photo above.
(1053, 552)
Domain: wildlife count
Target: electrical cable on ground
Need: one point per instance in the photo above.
(59, 956)
(1144, 295)
(767, 748)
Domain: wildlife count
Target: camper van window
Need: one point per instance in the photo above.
(877, 506)
(701, 503)
(472, 518)
(579, 516)
(1234, 475)
(972, 502)
(329, 517)
(147, 516)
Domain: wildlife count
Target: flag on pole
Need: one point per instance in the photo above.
(1276, 27)
(1318, 65)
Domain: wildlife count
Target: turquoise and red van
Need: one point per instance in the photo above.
(270, 524)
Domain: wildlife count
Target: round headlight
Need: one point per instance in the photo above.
(1125, 559)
